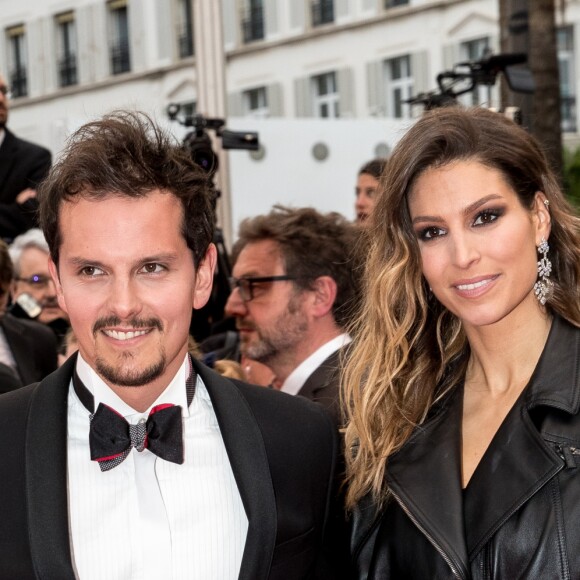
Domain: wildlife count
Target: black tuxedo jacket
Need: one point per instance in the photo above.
(22, 165)
(323, 385)
(285, 481)
(33, 346)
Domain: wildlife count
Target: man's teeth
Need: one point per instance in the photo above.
(473, 286)
(125, 335)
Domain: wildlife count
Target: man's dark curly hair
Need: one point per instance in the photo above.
(311, 244)
(126, 154)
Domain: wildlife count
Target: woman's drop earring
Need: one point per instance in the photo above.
(543, 287)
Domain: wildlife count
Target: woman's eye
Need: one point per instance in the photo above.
(486, 217)
(431, 233)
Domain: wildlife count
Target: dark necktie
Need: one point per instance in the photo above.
(111, 437)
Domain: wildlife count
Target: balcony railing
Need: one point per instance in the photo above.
(393, 3)
(67, 70)
(253, 24)
(322, 12)
(19, 82)
(120, 60)
(185, 44)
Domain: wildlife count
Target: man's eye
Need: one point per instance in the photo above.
(152, 268)
(91, 271)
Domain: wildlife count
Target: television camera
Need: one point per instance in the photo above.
(467, 76)
(198, 144)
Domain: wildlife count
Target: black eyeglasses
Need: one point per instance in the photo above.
(6, 91)
(36, 280)
(246, 285)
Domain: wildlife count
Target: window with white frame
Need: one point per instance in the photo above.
(255, 102)
(399, 82)
(565, 38)
(119, 36)
(470, 51)
(253, 20)
(66, 49)
(185, 28)
(326, 98)
(17, 60)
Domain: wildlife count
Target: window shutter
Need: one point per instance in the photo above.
(420, 71)
(376, 89)
(303, 97)
(235, 105)
(271, 17)
(346, 104)
(275, 100)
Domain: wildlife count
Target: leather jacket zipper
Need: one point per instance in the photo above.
(567, 454)
(439, 549)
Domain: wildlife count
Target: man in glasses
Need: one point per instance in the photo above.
(22, 166)
(33, 291)
(27, 348)
(295, 281)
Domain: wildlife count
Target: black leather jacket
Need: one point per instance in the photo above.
(519, 517)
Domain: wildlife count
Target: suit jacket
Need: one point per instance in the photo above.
(285, 482)
(323, 385)
(22, 165)
(33, 346)
(8, 379)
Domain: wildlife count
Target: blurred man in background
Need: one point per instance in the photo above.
(22, 166)
(295, 282)
(367, 184)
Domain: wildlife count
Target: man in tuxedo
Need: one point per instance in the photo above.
(22, 166)
(133, 460)
(295, 283)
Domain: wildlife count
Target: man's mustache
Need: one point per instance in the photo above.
(134, 323)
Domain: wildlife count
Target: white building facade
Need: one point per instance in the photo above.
(347, 62)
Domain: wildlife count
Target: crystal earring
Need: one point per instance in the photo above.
(543, 286)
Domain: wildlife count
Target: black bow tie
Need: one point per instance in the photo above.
(111, 437)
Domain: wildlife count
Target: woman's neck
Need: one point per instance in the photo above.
(504, 355)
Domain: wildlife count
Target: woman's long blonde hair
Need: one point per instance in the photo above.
(409, 351)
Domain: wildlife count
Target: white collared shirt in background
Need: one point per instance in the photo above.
(147, 518)
(296, 379)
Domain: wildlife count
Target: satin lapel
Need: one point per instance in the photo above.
(322, 376)
(247, 453)
(19, 347)
(7, 158)
(46, 476)
(425, 477)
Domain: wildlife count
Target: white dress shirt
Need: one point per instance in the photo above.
(296, 379)
(147, 518)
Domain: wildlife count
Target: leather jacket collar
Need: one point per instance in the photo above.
(425, 475)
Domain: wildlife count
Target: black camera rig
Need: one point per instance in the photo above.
(467, 76)
(198, 142)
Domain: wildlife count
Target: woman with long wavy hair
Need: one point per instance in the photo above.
(462, 389)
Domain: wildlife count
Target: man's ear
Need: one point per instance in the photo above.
(204, 278)
(52, 268)
(542, 218)
(324, 290)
